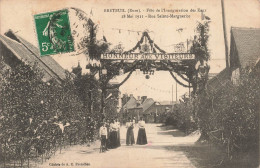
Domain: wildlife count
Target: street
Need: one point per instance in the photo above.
(162, 151)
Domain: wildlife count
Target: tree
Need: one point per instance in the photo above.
(202, 55)
(36, 115)
(230, 116)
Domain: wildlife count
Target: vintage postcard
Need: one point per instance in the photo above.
(129, 84)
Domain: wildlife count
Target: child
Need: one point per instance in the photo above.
(103, 136)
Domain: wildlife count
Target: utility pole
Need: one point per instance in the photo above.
(172, 94)
(225, 33)
(172, 98)
(176, 92)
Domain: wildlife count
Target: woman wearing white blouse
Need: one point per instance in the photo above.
(141, 138)
(113, 135)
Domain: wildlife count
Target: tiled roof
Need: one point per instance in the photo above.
(132, 103)
(28, 53)
(247, 42)
(219, 80)
(147, 104)
(212, 75)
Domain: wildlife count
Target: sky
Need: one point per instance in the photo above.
(18, 16)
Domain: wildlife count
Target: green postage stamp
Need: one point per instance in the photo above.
(54, 33)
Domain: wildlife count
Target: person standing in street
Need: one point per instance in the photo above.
(141, 138)
(118, 132)
(113, 135)
(130, 140)
(103, 137)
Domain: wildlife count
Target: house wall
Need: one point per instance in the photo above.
(235, 76)
(234, 60)
(149, 118)
(131, 113)
(156, 113)
(159, 108)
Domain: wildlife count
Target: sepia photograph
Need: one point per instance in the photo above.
(129, 84)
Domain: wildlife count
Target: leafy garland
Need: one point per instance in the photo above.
(110, 76)
(200, 42)
(121, 83)
(179, 74)
(199, 48)
(179, 82)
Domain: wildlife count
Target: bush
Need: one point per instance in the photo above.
(182, 116)
(37, 116)
(230, 117)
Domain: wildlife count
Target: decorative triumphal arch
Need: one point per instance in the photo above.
(148, 57)
(189, 69)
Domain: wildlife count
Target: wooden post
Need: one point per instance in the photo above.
(103, 97)
(172, 99)
(176, 92)
(225, 33)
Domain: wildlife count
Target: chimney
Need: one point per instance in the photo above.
(12, 35)
(138, 102)
(143, 98)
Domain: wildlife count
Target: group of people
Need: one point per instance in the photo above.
(110, 134)
(141, 137)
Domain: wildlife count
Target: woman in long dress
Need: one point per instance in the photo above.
(113, 135)
(141, 138)
(130, 140)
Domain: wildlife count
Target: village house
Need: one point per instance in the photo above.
(244, 55)
(147, 108)
(15, 50)
(244, 50)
